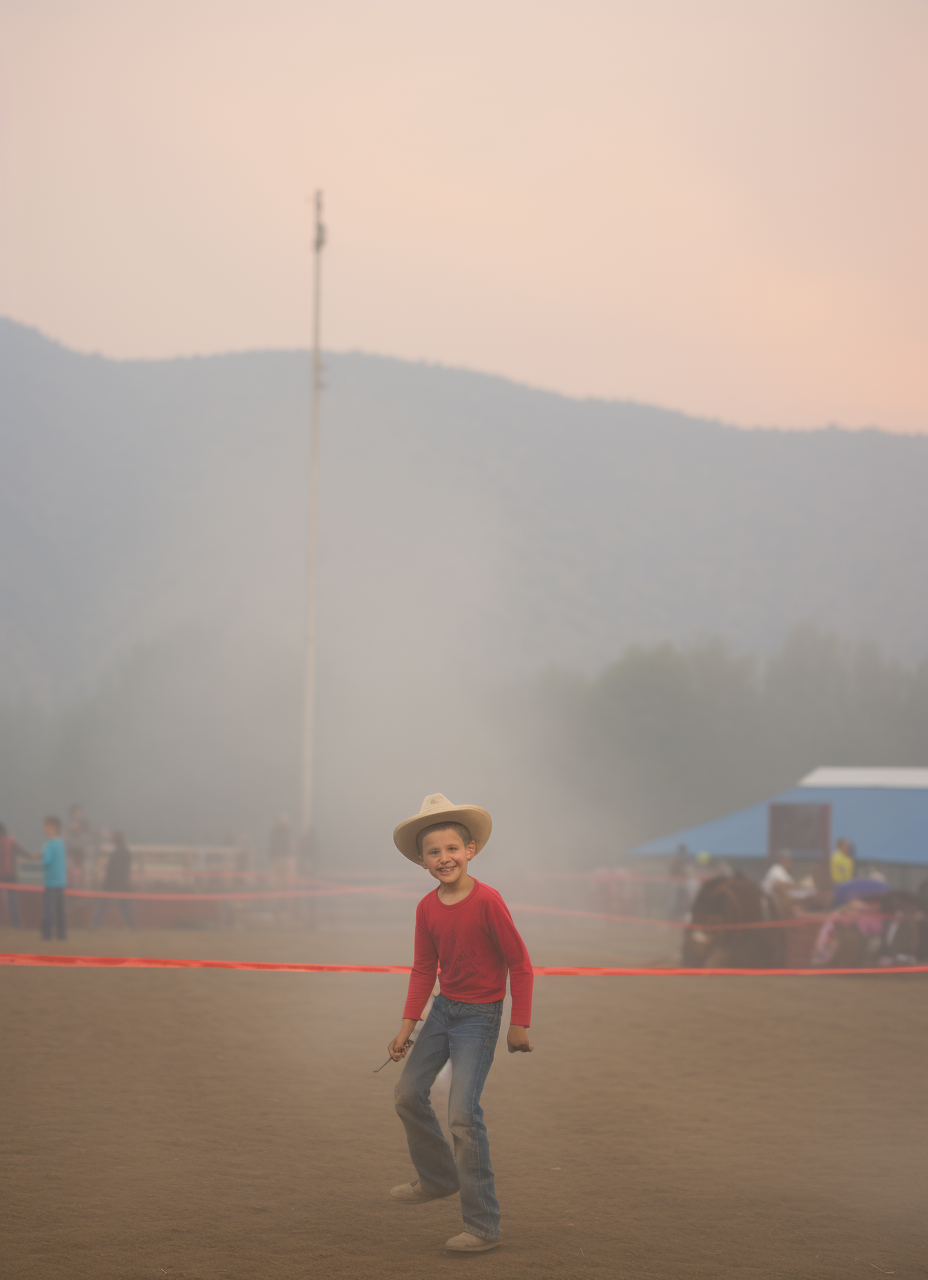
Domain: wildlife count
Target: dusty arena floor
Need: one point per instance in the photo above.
(217, 1125)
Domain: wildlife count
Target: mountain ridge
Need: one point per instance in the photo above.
(576, 526)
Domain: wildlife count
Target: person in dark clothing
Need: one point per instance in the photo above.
(116, 880)
(10, 853)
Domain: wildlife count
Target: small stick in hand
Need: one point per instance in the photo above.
(408, 1045)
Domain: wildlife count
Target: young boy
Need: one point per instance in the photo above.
(464, 928)
(55, 875)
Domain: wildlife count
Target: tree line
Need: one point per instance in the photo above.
(669, 736)
(195, 739)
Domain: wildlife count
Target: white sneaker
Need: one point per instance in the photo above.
(466, 1243)
(415, 1193)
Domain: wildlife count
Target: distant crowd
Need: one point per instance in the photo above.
(74, 854)
(68, 856)
(833, 915)
(857, 918)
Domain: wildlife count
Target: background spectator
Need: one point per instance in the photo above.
(779, 880)
(55, 875)
(841, 863)
(10, 853)
(81, 843)
(116, 880)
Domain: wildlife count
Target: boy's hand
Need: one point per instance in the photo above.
(400, 1042)
(517, 1040)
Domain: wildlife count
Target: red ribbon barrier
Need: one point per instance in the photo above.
(390, 891)
(546, 971)
(621, 877)
(260, 894)
(147, 962)
(669, 924)
(588, 971)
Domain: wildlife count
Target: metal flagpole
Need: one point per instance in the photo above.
(306, 791)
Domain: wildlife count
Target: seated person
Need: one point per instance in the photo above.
(778, 877)
(851, 936)
(780, 885)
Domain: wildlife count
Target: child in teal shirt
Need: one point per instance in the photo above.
(55, 875)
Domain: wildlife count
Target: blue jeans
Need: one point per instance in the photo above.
(53, 913)
(12, 905)
(467, 1034)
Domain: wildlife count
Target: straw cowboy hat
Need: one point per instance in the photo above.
(438, 808)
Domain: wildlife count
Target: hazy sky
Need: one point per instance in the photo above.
(714, 205)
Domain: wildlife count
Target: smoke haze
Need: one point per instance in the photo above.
(474, 534)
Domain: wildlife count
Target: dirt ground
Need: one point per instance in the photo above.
(218, 1125)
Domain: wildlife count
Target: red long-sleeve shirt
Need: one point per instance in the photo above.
(473, 942)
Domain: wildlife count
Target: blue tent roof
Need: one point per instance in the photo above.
(885, 824)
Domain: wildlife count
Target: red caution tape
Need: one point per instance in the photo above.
(391, 892)
(792, 922)
(587, 971)
(621, 877)
(546, 971)
(260, 894)
(161, 962)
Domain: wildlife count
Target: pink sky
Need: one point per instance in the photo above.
(719, 206)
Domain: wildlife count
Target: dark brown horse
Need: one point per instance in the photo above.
(728, 900)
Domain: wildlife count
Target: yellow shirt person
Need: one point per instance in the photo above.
(841, 864)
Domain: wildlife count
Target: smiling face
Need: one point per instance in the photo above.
(445, 855)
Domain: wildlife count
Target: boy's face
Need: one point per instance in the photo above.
(50, 830)
(445, 856)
